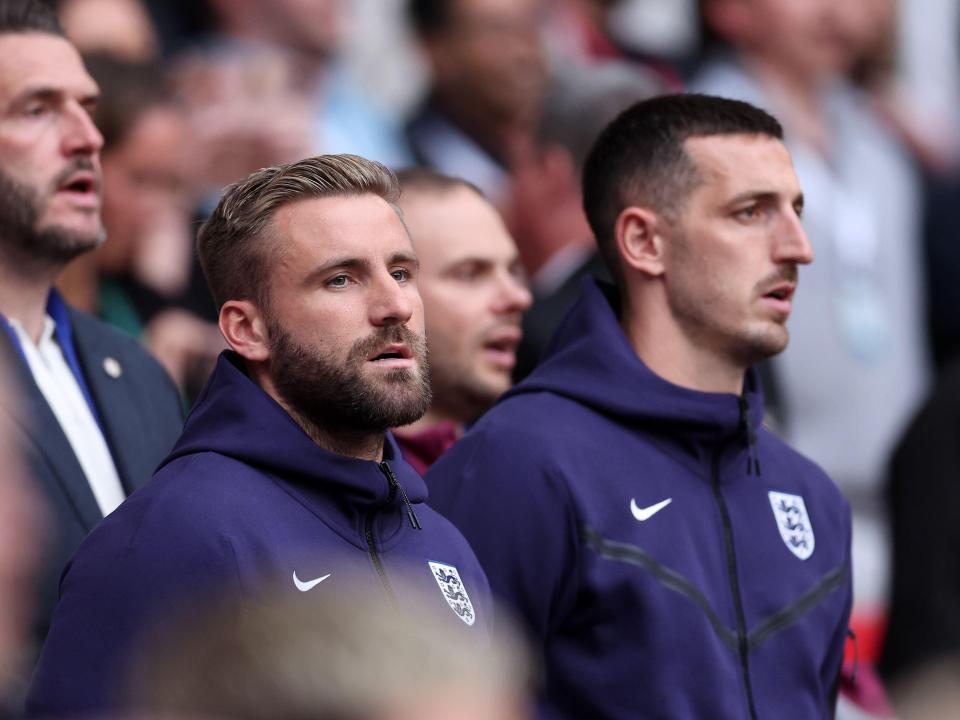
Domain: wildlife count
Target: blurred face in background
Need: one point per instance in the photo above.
(491, 54)
(144, 182)
(474, 294)
(311, 27)
(811, 39)
(121, 28)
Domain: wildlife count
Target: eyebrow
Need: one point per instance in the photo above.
(405, 257)
(50, 93)
(765, 196)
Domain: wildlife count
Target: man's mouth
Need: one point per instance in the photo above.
(82, 188)
(500, 347)
(392, 356)
(780, 297)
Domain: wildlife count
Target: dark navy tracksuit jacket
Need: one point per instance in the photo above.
(245, 502)
(670, 557)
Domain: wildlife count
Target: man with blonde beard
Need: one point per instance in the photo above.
(285, 472)
(474, 293)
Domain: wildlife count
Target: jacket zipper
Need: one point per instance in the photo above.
(742, 641)
(395, 487)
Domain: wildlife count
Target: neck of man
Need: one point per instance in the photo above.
(431, 418)
(663, 346)
(24, 292)
(359, 444)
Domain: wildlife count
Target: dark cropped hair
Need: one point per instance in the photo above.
(234, 245)
(429, 17)
(639, 158)
(23, 16)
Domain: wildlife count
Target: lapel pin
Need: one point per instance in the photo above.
(112, 368)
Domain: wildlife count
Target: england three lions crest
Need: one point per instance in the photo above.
(453, 591)
(793, 522)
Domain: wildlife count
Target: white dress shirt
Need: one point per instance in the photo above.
(62, 393)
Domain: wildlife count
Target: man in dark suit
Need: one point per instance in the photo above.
(96, 413)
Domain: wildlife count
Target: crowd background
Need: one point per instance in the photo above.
(509, 94)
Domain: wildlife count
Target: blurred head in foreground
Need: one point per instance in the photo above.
(23, 533)
(331, 657)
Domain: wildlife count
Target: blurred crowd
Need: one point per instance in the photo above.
(510, 94)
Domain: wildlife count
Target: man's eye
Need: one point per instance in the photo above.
(747, 213)
(400, 274)
(338, 281)
(518, 273)
(468, 272)
(35, 110)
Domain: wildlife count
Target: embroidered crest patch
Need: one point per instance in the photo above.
(453, 591)
(793, 522)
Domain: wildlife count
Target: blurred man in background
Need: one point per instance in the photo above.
(309, 35)
(488, 76)
(474, 294)
(98, 413)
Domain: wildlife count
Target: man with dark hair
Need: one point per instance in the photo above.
(488, 76)
(97, 413)
(474, 293)
(285, 471)
(858, 366)
(670, 556)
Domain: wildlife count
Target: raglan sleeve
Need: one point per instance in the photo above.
(512, 505)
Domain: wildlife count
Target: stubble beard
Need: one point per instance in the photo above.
(333, 397)
(32, 247)
(742, 345)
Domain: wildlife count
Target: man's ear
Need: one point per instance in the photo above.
(639, 240)
(245, 330)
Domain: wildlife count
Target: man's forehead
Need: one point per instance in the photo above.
(457, 224)
(42, 61)
(361, 224)
(737, 159)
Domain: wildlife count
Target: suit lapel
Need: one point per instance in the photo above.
(101, 364)
(47, 440)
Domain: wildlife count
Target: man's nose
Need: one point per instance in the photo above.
(80, 134)
(513, 295)
(792, 244)
(391, 302)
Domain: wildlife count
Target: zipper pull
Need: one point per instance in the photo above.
(392, 479)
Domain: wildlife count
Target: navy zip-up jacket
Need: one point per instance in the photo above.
(670, 557)
(244, 501)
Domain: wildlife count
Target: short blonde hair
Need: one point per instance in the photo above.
(235, 253)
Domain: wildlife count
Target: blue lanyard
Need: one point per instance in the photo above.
(63, 331)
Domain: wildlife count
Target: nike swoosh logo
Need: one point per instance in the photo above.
(310, 584)
(646, 513)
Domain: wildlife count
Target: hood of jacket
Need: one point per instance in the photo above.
(234, 417)
(590, 360)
